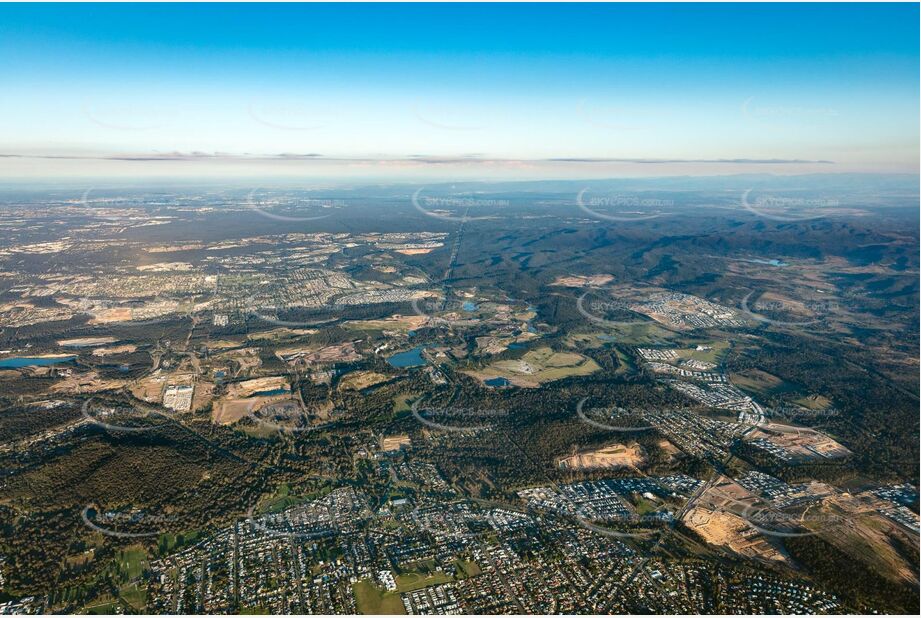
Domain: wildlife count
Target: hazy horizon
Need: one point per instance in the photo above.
(448, 91)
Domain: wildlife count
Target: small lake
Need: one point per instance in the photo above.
(771, 262)
(469, 305)
(272, 393)
(410, 358)
(33, 361)
(497, 382)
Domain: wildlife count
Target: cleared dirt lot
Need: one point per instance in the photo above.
(612, 456)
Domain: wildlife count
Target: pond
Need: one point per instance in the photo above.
(410, 358)
(33, 361)
(272, 393)
(771, 262)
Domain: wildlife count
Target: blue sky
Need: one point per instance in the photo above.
(472, 90)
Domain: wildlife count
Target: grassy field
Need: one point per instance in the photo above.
(370, 599)
(103, 607)
(134, 596)
(279, 334)
(813, 402)
(644, 506)
(626, 363)
(588, 341)
(469, 568)
(280, 500)
(131, 562)
(401, 403)
(537, 367)
(168, 542)
(408, 582)
(646, 333)
(759, 382)
(360, 380)
(80, 559)
(402, 323)
(714, 355)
